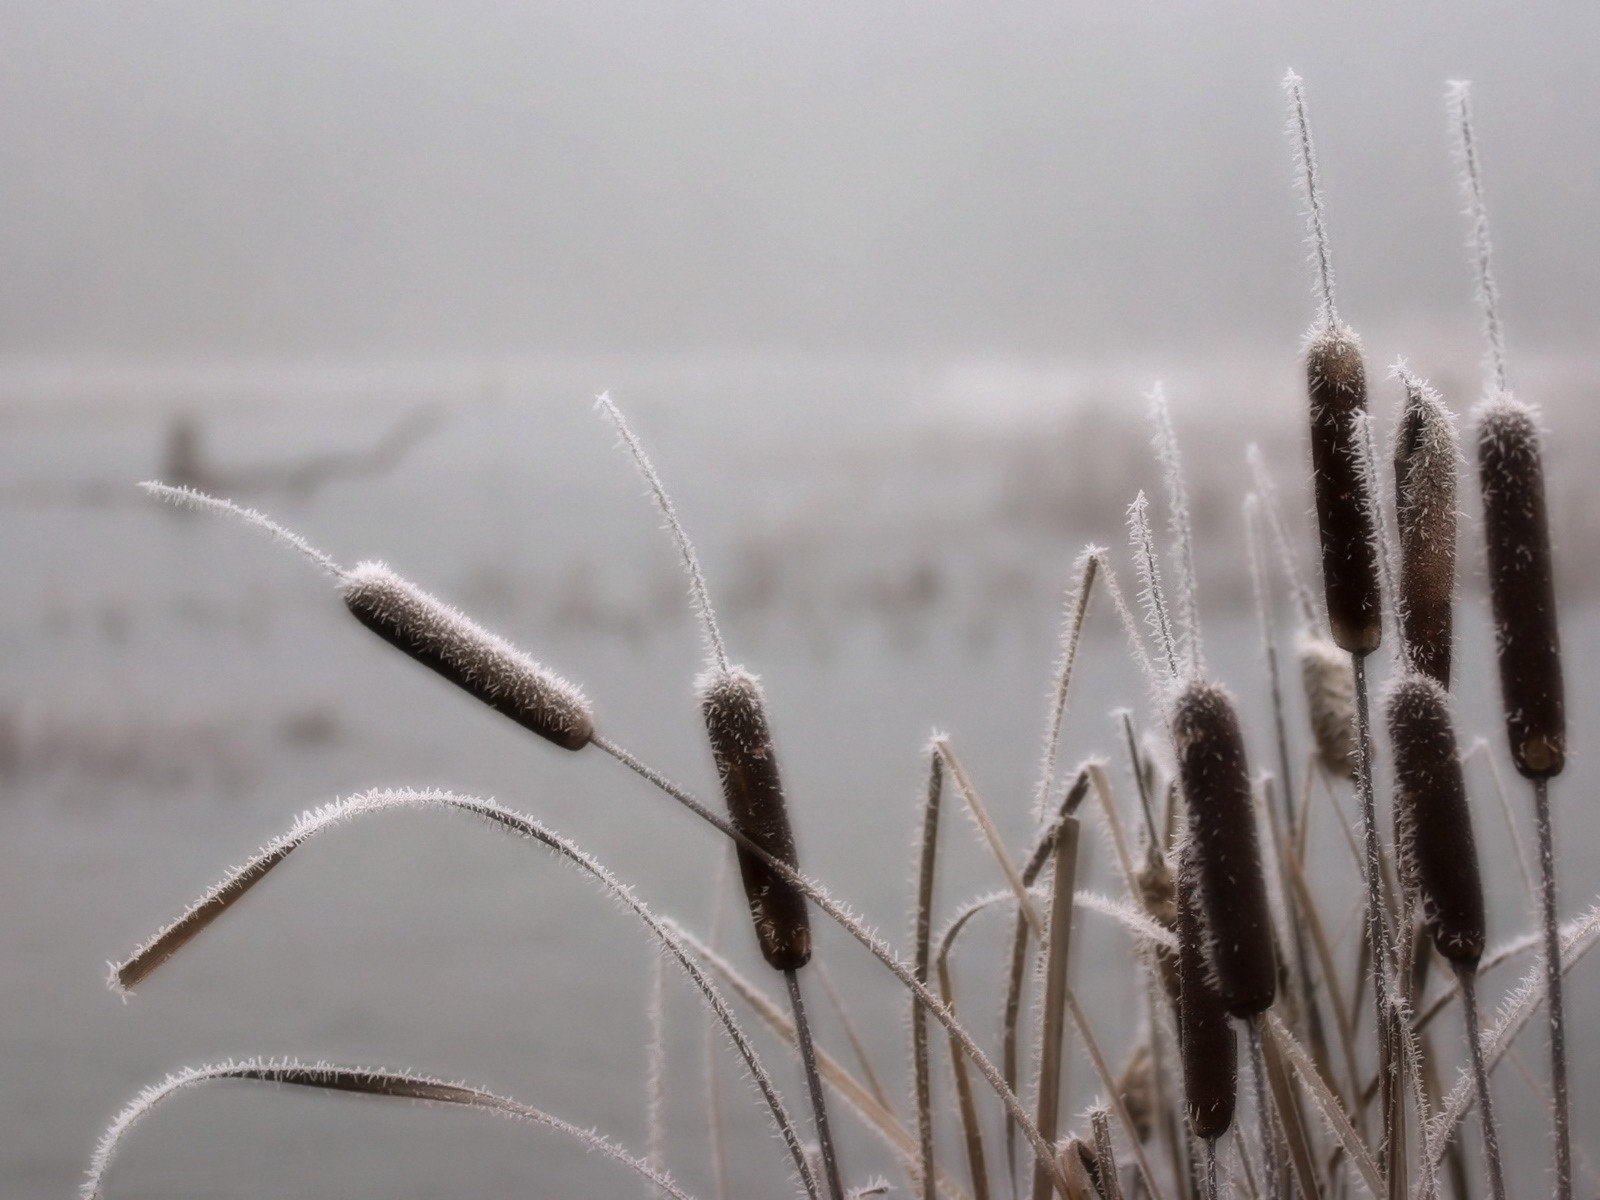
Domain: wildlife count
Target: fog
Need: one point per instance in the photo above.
(292, 181)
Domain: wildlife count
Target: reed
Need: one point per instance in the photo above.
(1426, 464)
(1194, 904)
(1516, 533)
(1438, 860)
(449, 643)
(1207, 1045)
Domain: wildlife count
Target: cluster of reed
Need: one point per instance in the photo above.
(1223, 922)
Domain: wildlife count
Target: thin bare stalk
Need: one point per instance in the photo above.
(1053, 1023)
(921, 932)
(188, 497)
(808, 1057)
(1467, 979)
(715, 1130)
(1557, 1007)
(1272, 1167)
(1459, 98)
(1210, 1152)
(359, 1080)
(1316, 218)
(691, 561)
(1378, 942)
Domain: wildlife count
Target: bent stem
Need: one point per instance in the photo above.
(1467, 978)
(1552, 961)
(819, 1104)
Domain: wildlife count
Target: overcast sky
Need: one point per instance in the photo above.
(830, 178)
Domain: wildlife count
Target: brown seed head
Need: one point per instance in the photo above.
(1330, 689)
(1215, 778)
(1437, 856)
(1337, 384)
(1425, 464)
(1205, 1034)
(1516, 531)
(469, 656)
(741, 745)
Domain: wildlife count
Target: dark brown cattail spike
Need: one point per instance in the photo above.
(1205, 1034)
(1516, 533)
(1437, 855)
(1215, 777)
(469, 656)
(741, 744)
(1337, 385)
(1425, 466)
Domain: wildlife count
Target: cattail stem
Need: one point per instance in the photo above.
(1378, 943)
(819, 1104)
(921, 932)
(1211, 1168)
(1552, 960)
(1266, 1129)
(1467, 978)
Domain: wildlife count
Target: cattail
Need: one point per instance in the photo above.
(1337, 384)
(1330, 690)
(1205, 1034)
(1521, 586)
(469, 656)
(1425, 458)
(741, 744)
(1215, 777)
(1437, 856)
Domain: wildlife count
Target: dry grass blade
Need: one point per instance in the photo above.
(238, 883)
(1077, 610)
(326, 1077)
(971, 1128)
(1052, 1028)
(1105, 1155)
(991, 835)
(1333, 1114)
(877, 1116)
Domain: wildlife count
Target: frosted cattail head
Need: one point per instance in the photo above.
(1425, 464)
(1516, 531)
(741, 745)
(468, 655)
(1205, 1034)
(1215, 778)
(1337, 384)
(1330, 689)
(1437, 855)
